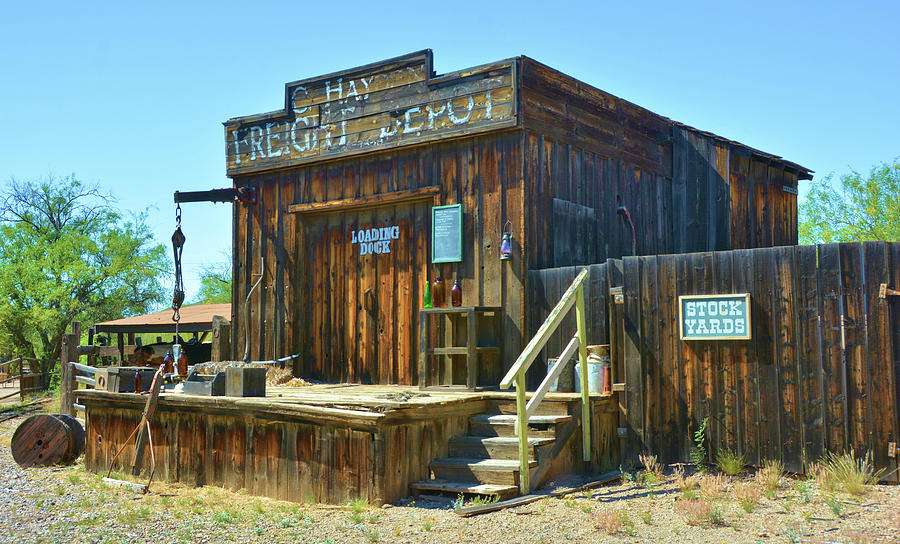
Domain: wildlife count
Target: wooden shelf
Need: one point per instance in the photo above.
(471, 351)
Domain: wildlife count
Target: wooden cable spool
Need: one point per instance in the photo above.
(77, 437)
(45, 440)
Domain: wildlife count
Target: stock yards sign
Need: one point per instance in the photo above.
(714, 317)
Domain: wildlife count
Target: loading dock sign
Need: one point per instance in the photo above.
(714, 317)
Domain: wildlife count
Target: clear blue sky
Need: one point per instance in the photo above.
(133, 96)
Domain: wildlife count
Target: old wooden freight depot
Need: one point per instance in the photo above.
(349, 178)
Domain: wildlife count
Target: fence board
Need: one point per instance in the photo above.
(809, 362)
(879, 351)
(854, 346)
(830, 310)
(785, 327)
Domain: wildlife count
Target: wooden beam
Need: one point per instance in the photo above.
(561, 363)
(485, 508)
(581, 323)
(522, 431)
(345, 204)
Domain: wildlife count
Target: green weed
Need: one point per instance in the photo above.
(730, 462)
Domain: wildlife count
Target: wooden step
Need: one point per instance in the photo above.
(486, 471)
(546, 407)
(455, 488)
(494, 447)
(504, 425)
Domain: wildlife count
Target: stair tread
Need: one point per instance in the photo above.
(488, 464)
(510, 419)
(465, 487)
(499, 440)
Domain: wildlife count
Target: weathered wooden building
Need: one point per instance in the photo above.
(523, 148)
(369, 184)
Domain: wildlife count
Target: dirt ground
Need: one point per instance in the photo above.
(68, 504)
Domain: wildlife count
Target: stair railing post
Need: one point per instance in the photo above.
(582, 357)
(522, 431)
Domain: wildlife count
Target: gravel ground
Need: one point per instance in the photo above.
(70, 505)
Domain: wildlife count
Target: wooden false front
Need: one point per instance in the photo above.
(326, 443)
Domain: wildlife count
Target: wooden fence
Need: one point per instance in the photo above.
(820, 373)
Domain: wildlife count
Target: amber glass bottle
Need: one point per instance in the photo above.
(438, 297)
(456, 294)
(182, 363)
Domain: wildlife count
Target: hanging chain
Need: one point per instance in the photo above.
(178, 240)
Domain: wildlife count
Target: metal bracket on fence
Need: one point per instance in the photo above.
(884, 291)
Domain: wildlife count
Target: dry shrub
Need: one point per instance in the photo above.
(847, 473)
(652, 473)
(694, 511)
(685, 483)
(608, 520)
(747, 495)
(651, 464)
(769, 476)
(712, 486)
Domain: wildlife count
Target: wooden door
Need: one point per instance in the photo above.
(365, 271)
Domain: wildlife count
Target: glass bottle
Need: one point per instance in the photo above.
(437, 293)
(167, 363)
(182, 364)
(456, 294)
(427, 296)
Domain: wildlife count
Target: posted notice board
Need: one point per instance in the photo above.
(714, 317)
(446, 233)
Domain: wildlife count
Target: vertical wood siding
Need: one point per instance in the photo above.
(353, 317)
(819, 374)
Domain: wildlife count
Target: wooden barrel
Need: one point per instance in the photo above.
(42, 440)
(77, 437)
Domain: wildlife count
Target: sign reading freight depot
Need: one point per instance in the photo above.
(714, 317)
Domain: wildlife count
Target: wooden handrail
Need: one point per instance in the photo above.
(569, 351)
(540, 338)
(574, 296)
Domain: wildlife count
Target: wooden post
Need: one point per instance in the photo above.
(221, 339)
(121, 339)
(423, 349)
(67, 383)
(582, 358)
(522, 430)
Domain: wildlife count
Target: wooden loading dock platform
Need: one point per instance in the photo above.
(331, 443)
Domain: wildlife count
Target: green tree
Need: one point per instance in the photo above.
(862, 208)
(66, 254)
(215, 284)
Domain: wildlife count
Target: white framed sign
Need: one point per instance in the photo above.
(714, 317)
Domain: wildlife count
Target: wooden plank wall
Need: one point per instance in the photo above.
(288, 460)
(805, 384)
(312, 298)
(820, 374)
(588, 152)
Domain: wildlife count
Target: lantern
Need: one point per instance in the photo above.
(506, 243)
